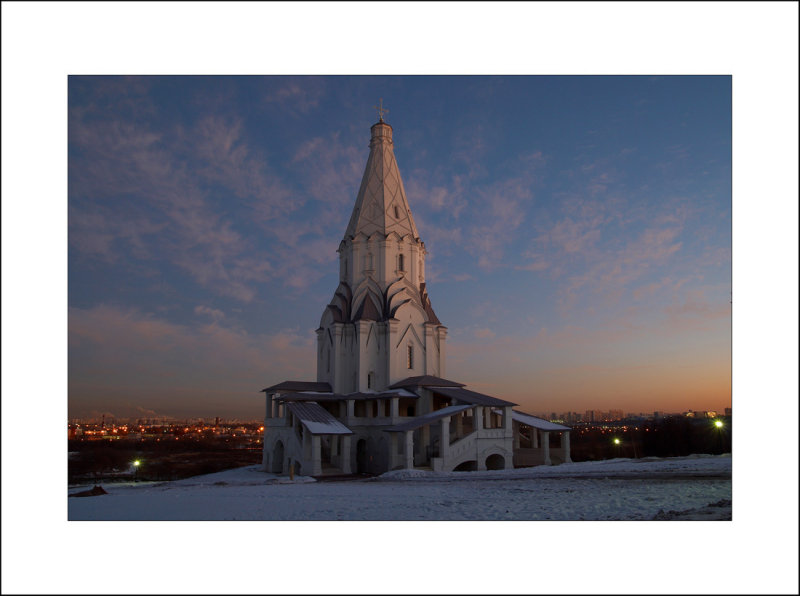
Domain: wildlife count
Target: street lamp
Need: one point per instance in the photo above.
(719, 424)
(136, 465)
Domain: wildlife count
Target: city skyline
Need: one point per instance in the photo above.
(578, 231)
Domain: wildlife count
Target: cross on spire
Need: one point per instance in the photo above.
(381, 110)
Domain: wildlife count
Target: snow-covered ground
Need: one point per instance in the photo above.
(694, 487)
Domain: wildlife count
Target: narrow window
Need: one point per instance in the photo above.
(396, 212)
(410, 358)
(400, 264)
(369, 381)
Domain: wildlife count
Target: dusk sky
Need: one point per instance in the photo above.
(578, 231)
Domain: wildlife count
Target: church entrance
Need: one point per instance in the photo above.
(277, 458)
(361, 456)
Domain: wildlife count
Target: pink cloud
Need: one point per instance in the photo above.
(146, 355)
(208, 311)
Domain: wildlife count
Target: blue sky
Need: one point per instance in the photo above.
(578, 230)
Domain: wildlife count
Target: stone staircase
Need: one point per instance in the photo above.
(456, 451)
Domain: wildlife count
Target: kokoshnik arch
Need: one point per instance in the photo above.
(380, 401)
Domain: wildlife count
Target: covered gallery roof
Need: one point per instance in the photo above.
(317, 419)
(295, 386)
(472, 397)
(427, 418)
(425, 381)
(357, 396)
(535, 422)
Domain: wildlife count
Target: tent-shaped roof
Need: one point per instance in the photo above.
(381, 205)
(317, 419)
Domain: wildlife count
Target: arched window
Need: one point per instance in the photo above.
(400, 263)
(410, 356)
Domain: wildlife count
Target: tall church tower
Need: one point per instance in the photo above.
(380, 327)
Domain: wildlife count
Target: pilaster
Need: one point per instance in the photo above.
(345, 465)
(444, 441)
(565, 447)
(546, 448)
(442, 331)
(316, 455)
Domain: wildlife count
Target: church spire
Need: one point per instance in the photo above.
(381, 204)
(380, 327)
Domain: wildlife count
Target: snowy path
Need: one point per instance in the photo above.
(615, 489)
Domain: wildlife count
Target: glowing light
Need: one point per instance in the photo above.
(616, 441)
(718, 423)
(136, 463)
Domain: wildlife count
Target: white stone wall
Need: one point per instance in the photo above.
(348, 353)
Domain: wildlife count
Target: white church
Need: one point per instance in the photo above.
(381, 400)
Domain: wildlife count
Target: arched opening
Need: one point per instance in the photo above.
(361, 456)
(467, 466)
(381, 463)
(371, 455)
(277, 458)
(400, 263)
(495, 462)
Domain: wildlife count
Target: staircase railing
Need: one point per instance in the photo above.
(461, 446)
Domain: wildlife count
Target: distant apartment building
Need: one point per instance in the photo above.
(593, 416)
